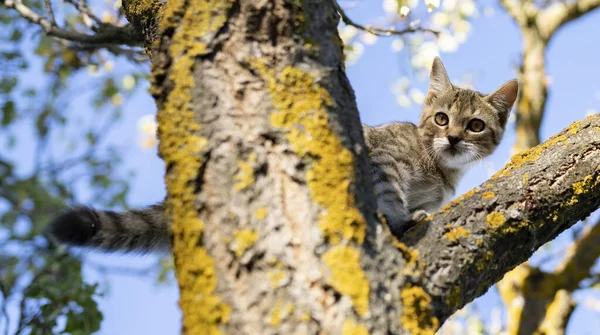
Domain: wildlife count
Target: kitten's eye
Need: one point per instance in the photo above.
(441, 119)
(476, 125)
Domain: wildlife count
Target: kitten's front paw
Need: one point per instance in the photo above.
(419, 215)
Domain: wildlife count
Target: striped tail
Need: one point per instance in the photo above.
(142, 230)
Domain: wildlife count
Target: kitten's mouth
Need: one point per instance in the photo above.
(453, 151)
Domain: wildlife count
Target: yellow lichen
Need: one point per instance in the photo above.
(530, 155)
(525, 179)
(279, 313)
(347, 277)
(579, 188)
(181, 148)
(488, 195)
(301, 112)
(305, 317)
(456, 233)
(411, 256)
(498, 224)
(457, 201)
(417, 316)
(350, 327)
(585, 185)
(261, 213)
(245, 175)
(243, 239)
(276, 277)
(574, 128)
(495, 220)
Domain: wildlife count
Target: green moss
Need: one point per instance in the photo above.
(484, 260)
(417, 316)
(453, 299)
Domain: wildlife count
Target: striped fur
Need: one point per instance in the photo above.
(140, 230)
(414, 168)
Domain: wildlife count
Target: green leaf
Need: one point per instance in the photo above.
(8, 113)
(16, 35)
(7, 84)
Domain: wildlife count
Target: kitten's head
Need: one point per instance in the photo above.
(461, 126)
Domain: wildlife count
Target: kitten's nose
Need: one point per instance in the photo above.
(453, 139)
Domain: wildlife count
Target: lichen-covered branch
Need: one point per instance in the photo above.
(105, 34)
(145, 17)
(472, 242)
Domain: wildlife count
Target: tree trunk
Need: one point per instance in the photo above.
(260, 133)
(272, 207)
(533, 92)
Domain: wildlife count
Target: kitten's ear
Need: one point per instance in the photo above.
(438, 80)
(504, 98)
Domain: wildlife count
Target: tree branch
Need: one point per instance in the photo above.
(581, 257)
(380, 31)
(562, 12)
(472, 242)
(106, 34)
(84, 10)
(558, 314)
(516, 10)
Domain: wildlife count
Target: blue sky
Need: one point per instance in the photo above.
(135, 305)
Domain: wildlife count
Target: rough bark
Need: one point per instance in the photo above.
(271, 203)
(261, 136)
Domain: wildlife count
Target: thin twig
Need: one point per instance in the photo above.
(109, 34)
(380, 31)
(123, 270)
(83, 9)
(50, 12)
(5, 314)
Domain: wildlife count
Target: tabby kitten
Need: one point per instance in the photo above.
(415, 169)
